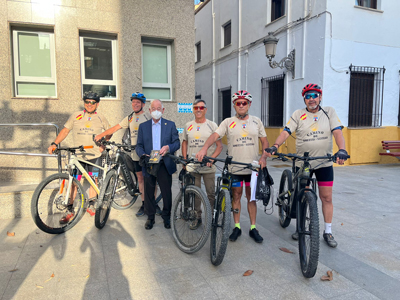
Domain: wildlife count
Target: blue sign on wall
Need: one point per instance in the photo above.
(185, 108)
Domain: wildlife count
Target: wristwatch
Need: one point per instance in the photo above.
(54, 144)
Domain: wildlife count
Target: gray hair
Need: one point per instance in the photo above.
(151, 102)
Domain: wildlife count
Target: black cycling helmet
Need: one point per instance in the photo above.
(139, 96)
(91, 95)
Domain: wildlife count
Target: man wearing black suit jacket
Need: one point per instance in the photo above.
(158, 134)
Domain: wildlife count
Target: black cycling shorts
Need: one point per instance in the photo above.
(237, 180)
(324, 176)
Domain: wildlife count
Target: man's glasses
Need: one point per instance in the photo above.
(312, 95)
(199, 107)
(90, 102)
(241, 103)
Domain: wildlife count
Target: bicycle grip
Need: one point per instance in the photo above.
(87, 147)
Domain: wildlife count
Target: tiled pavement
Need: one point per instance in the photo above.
(125, 261)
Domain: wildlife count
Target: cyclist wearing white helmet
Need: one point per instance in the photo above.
(83, 125)
(243, 132)
(132, 121)
(314, 127)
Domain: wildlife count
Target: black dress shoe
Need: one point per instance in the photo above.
(167, 224)
(149, 224)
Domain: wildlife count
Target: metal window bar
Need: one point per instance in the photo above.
(34, 154)
(398, 116)
(366, 96)
(272, 98)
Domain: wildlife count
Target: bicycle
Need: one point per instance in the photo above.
(119, 181)
(61, 194)
(221, 218)
(297, 198)
(190, 238)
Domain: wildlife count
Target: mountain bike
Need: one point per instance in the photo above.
(191, 223)
(297, 198)
(118, 185)
(61, 195)
(221, 217)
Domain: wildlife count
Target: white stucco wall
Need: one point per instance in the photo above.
(359, 36)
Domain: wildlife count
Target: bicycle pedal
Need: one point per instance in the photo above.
(138, 194)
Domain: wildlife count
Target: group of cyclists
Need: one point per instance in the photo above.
(313, 126)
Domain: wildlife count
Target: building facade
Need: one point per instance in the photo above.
(54, 50)
(347, 47)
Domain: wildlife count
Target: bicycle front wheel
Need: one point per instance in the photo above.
(122, 199)
(308, 235)
(50, 209)
(106, 197)
(220, 227)
(191, 219)
(285, 188)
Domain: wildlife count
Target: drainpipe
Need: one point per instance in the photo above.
(215, 101)
(239, 44)
(289, 2)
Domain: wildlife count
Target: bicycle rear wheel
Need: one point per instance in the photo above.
(220, 227)
(105, 199)
(189, 236)
(283, 201)
(308, 234)
(122, 199)
(48, 208)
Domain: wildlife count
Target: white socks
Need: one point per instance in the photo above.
(328, 227)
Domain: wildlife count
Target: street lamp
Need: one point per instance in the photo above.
(288, 62)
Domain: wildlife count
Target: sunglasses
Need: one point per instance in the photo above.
(90, 102)
(241, 103)
(199, 107)
(312, 95)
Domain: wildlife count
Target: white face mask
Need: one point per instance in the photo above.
(156, 114)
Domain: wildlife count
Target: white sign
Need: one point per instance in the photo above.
(185, 108)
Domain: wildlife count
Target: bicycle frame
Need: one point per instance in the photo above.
(187, 180)
(301, 180)
(121, 163)
(75, 162)
(223, 182)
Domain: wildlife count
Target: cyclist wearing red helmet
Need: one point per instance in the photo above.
(314, 127)
(243, 132)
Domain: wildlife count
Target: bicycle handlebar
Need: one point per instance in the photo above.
(72, 149)
(124, 146)
(228, 161)
(285, 156)
(184, 161)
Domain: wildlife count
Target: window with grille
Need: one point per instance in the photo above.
(272, 98)
(226, 30)
(224, 103)
(366, 96)
(367, 3)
